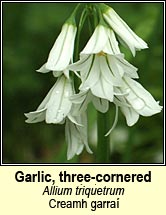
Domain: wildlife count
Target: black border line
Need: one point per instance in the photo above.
(83, 164)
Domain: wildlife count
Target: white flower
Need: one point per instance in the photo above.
(101, 72)
(101, 64)
(102, 40)
(56, 105)
(62, 51)
(129, 38)
(76, 136)
(137, 101)
(57, 108)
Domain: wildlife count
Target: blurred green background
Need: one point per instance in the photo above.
(29, 31)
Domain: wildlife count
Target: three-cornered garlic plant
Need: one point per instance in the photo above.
(99, 74)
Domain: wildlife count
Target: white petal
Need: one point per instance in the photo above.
(120, 103)
(85, 61)
(84, 65)
(66, 73)
(103, 89)
(56, 74)
(43, 69)
(119, 96)
(35, 116)
(79, 98)
(141, 100)
(83, 131)
(101, 105)
(81, 102)
(111, 46)
(125, 33)
(74, 145)
(92, 75)
(130, 114)
(76, 136)
(73, 119)
(59, 104)
(129, 69)
(97, 41)
(46, 99)
(114, 123)
(61, 53)
(109, 72)
(59, 73)
(39, 114)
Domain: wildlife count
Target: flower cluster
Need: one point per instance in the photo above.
(105, 77)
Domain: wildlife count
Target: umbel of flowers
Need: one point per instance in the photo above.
(104, 74)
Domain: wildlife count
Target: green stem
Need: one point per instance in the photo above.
(80, 25)
(77, 44)
(92, 18)
(76, 9)
(103, 146)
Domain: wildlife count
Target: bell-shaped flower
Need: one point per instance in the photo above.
(101, 64)
(76, 136)
(135, 100)
(127, 36)
(56, 105)
(61, 53)
(102, 40)
(57, 108)
(101, 72)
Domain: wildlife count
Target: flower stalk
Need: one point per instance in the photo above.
(103, 142)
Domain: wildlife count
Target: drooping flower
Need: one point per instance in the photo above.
(137, 101)
(57, 108)
(61, 53)
(76, 136)
(102, 40)
(101, 72)
(101, 64)
(129, 38)
(56, 105)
